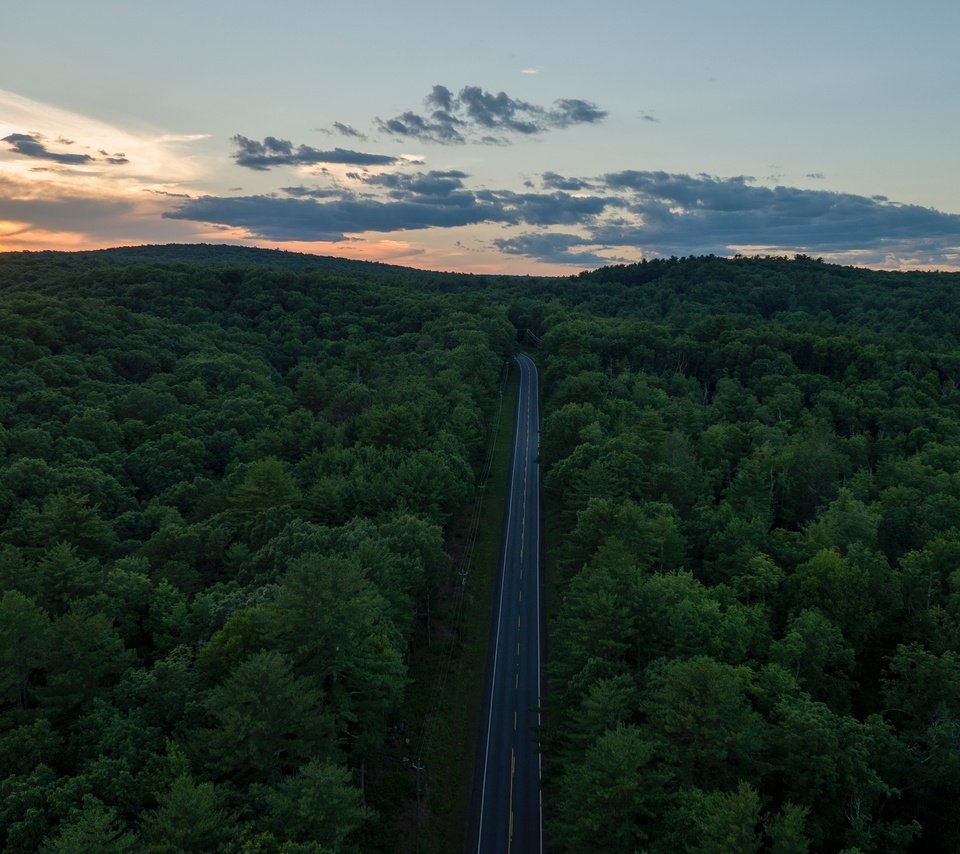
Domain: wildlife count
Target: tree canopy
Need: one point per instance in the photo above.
(226, 481)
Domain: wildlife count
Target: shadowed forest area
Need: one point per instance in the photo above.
(226, 480)
(223, 495)
(754, 467)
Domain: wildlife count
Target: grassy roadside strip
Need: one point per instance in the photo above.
(448, 758)
(454, 744)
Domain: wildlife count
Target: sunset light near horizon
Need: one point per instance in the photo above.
(523, 139)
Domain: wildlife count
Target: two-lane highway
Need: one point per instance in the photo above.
(507, 809)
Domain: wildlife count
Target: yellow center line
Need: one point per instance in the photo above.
(513, 767)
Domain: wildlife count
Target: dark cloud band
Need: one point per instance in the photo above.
(643, 212)
(408, 202)
(262, 156)
(682, 213)
(32, 145)
(553, 248)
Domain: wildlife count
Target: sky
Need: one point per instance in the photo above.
(511, 137)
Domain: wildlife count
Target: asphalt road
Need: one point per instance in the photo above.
(506, 807)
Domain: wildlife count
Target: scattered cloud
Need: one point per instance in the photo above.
(60, 188)
(553, 248)
(116, 159)
(348, 130)
(436, 185)
(553, 181)
(170, 195)
(32, 145)
(649, 117)
(74, 144)
(69, 181)
(557, 208)
(474, 114)
(629, 212)
(262, 156)
(679, 214)
(529, 70)
(682, 213)
(311, 192)
(498, 112)
(574, 111)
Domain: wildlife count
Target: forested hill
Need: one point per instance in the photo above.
(802, 291)
(226, 477)
(209, 254)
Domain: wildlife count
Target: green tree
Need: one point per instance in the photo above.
(331, 619)
(267, 722)
(786, 830)
(814, 650)
(187, 818)
(23, 638)
(839, 588)
(266, 484)
(92, 829)
(84, 655)
(65, 578)
(68, 518)
(318, 804)
(609, 703)
(716, 822)
(700, 711)
(614, 799)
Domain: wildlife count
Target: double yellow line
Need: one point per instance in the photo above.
(513, 768)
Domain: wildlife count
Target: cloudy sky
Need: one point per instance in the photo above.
(522, 137)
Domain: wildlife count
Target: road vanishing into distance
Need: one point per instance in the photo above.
(506, 807)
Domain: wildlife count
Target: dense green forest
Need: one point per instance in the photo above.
(223, 492)
(226, 481)
(754, 466)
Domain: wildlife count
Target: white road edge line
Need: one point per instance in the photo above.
(496, 649)
(536, 380)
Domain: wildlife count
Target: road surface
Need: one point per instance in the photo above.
(506, 807)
